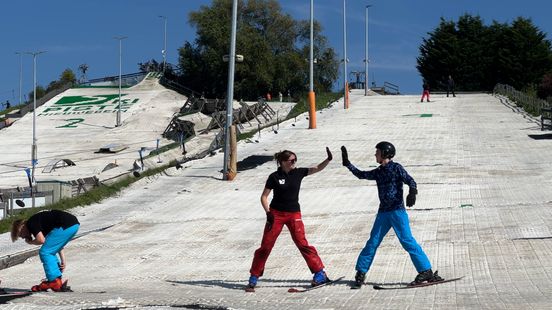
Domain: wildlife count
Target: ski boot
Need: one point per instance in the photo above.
(319, 278)
(359, 280)
(426, 276)
(54, 285)
(252, 283)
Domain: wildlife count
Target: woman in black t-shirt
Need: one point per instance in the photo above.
(284, 209)
(52, 230)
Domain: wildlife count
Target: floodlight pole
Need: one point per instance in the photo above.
(164, 52)
(120, 38)
(20, 77)
(312, 96)
(34, 147)
(230, 89)
(366, 56)
(345, 84)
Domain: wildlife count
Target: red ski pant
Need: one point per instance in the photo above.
(296, 228)
(425, 94)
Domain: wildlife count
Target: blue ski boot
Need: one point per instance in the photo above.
(319, 278)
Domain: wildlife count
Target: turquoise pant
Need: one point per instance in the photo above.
(55, 241)
(397, 219)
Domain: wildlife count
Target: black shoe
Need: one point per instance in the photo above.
(359, 279)
(426, 276)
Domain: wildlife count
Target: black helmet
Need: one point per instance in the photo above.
(387, 149)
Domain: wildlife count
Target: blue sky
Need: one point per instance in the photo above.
(76, 32)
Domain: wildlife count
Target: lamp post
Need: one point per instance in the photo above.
(366, 56)
(230, 89)
(312, 96)
(120, 38)
(345, 84)
(34, 146)
(20, 76)
(164, 51)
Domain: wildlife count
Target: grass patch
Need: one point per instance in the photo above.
(12, 108)
(323, 100)
(163, 149)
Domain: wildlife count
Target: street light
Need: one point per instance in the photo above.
(34, 146)
(366, 56)
(312, 97)
(345, 84)
(20, 76)
(230, 90)
(120, 38)
(164, 51)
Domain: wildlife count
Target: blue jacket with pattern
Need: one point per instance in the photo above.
(390, 179)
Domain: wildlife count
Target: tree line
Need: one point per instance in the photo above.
(479, 56)
(276, 54)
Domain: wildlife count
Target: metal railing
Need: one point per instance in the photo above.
(390, 88)
(126, 80)
(530, 104)
(179, 88)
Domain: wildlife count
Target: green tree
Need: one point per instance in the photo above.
(480, 56)
(40, 92)
(271, 42)
(438, 57)
(67, 76)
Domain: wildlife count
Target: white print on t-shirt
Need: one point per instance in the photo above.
(282, 181)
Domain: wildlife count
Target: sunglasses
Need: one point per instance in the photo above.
(293, 161)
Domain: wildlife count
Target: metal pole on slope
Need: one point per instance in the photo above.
(120, 38)
(164, 51)
(312, 96)
(34, 147)
(20, 77)
(345, 84)
(366, 56)
(230, 89)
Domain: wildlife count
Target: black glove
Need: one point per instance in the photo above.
(344, 156)
(269, 220)
(411, 197)
(330, 156)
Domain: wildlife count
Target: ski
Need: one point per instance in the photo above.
(9, 294)
(405, 286)
(302, 290)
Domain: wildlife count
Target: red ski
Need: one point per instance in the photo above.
(302, 290)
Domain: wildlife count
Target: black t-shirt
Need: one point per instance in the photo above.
(46, 221)
(286, 189)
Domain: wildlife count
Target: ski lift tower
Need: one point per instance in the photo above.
(83, 68)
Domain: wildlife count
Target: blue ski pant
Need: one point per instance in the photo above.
(54, 242)
(397, 219)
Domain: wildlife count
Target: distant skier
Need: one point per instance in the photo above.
(52, 230)
(425, 92)
(283, 210)
(450, 86)
(389, 177)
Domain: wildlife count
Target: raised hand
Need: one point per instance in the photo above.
(345, 156)
(330, 156)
